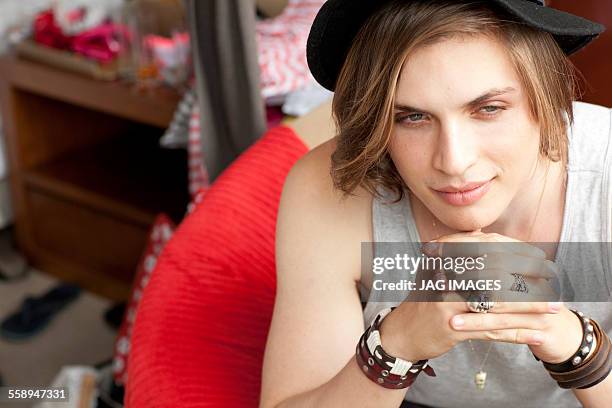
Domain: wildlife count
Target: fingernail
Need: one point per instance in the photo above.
(537, 339)
(458, 321)
(554, 306)
(430, 248)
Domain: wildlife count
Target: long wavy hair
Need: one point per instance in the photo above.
(363, 103)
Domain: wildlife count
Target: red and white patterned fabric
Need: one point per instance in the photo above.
(198, 175)
(160, 233)
(199, 181)
(281, 44)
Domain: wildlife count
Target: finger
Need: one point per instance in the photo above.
(517, 288)
(458, 303)
(477, 244)
(493, 321)
(502, 287)
(509, 297)
(527, 307)
(527, 266)
(476, 235)
(460, 235)
(514, 336)
(505, 273)
(512, 297)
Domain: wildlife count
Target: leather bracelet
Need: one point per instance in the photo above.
(594, 375)
(592, 370)
(593, 379)
(591, 365)
(599, 366)
(595, 382)
(374, 372)
(374, 344)
(383, 369)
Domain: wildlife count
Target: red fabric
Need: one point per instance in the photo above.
(202, 323)
(98, 43)
(47, 32)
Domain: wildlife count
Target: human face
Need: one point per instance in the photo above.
(463, 138)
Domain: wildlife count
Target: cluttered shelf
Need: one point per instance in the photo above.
(130, 178)
(151, 106)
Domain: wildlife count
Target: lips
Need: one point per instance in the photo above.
(465, 188)
(464, 195)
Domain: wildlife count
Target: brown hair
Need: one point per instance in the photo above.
(364, 99)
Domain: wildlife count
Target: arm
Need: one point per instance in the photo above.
(597, 396)
(317, 318)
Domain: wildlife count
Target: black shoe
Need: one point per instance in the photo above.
(36, 312)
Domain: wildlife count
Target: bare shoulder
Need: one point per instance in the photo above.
(323, 213)
(311, 176)
(318, 266)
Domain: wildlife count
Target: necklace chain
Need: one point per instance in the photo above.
(484, 360)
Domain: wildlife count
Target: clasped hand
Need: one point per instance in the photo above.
(426, 329)
(550, 329)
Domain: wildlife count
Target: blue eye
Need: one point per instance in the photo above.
(491, 109)
(413, 118)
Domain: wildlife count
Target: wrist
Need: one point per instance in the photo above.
(395, 341)
(573, 339)
(389, 371)
(591, 363)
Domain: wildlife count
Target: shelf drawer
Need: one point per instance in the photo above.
(85, 236)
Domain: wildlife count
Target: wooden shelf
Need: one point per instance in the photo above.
(87, 174)
(153, 107)
(130, 178)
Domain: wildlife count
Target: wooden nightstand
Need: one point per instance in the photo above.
(87, 173)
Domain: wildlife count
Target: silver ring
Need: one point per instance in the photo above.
(519, 284)
(480, 303)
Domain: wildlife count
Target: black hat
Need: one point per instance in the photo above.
(338, 22)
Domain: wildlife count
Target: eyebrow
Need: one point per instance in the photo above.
(471, 104)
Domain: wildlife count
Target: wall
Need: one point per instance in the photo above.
(595, 61)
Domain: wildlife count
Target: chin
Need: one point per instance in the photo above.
(467, 219)
(463, 224)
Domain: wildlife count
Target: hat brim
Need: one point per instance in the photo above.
(339, 21)
(570, 31)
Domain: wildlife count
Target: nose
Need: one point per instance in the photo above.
(455, 150)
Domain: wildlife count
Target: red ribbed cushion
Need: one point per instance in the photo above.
(201, 327)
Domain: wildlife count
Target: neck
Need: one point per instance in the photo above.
(533, 212)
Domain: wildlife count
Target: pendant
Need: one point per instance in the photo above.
(480, 379)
